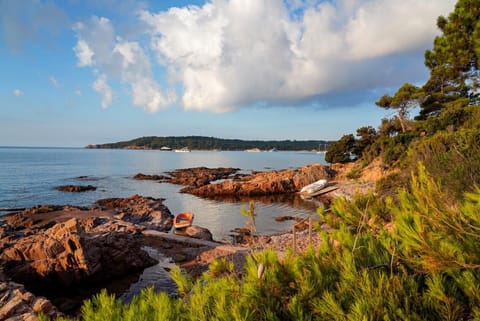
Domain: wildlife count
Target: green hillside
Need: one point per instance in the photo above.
(212, 143)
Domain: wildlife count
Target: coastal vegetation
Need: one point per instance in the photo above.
(212, 143)
(408, 252)
(445, 135)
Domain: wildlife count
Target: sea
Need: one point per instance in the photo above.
(29, 175)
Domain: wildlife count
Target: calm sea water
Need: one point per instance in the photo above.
(28, 177)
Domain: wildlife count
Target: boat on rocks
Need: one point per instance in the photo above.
(183, 220)
(314, 187)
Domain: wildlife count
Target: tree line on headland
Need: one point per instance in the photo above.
(212, 143)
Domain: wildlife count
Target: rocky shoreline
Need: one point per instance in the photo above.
(46, 248)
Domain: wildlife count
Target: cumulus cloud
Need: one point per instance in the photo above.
(17, 93)
(101, 86)
(228, 54)
(84, 53)
(99, 47)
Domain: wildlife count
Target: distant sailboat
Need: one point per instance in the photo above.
(182, 150)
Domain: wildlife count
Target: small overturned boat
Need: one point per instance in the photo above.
(183, 220)
(314, 187)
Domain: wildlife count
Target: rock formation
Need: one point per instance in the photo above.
(74, 251)
(141, 176)
(196, 232)
(265, 183)
(195, 177)
(16, 303)
(75, 188)
(145, 211)
(200, 176)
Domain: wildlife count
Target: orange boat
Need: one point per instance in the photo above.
(182, 220)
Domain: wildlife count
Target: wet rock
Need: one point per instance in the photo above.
(285, 218)
(75, 188)
(145, 211)
(179, 257)
(265, 183)
(195, 232)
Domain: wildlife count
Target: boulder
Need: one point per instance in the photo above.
(145, 211)
(16, 303)
(195, 232)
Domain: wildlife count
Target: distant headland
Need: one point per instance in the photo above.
(213, 143)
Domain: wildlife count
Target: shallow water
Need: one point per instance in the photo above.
(155, 276)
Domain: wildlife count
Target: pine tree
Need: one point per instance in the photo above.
(404, 99)
(454, 60)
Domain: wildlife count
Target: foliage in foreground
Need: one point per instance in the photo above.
(414, 259)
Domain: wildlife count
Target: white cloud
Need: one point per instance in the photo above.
(381, 28)
(99, 47)
(101, 86)
(228, 54)
(136, 70)
(54, 81)
(84, 53)
(231, 53)
(17, 93)
(77, 92)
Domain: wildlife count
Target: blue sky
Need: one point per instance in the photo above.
(82, 72)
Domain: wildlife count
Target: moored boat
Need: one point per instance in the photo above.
(183, 220)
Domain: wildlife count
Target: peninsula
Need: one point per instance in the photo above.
(213, 143)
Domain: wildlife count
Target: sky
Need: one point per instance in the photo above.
(79, 72)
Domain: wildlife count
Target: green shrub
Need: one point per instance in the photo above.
(451, 157)
(354, 173)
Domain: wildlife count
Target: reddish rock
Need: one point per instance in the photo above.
(18, 304)
(75, 188)
(146, 211)
(200, 176)
(265, 183)
(74, 251)
(196, 232)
